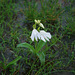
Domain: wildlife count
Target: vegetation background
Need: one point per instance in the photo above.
(16, 20)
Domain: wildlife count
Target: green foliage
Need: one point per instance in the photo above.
(40, 55)
(13, 62)
(7, 10)
(42, 12)
(27, 46)
(40, 45)
(70, 28)
(4, 64)
(70, 23)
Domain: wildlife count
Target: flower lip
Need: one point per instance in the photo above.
(45, 35)
(35, 35)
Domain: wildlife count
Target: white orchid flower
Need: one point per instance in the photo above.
(35, 35)
(40, 24)
(37, 21)
(45, 35)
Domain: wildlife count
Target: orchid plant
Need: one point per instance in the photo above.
(36, 35)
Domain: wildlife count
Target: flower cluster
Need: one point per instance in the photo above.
(42, 35)
(38, 22)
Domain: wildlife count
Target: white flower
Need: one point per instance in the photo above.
(42, 35)
(37, 21)
(41, 25)
(35, 35)
(45, 35)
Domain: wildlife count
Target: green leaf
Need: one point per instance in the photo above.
(12, 62)
(0, 62)
(27, 46)
(41, 56)
(40, 46)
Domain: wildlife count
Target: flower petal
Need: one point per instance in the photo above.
(41, 25)
(48, 35)
(35, 35)
(42, 38)
(32, 36)
(38, 21)
(35, 21)
(45, 35)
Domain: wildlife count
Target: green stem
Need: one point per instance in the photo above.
(34, 26)
(35, 44)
